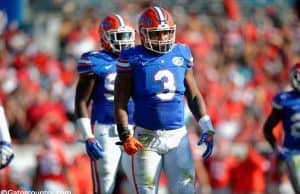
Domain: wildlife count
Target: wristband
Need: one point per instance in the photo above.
(206, 125)
(4, 131)
(84, 125)
(123, 132)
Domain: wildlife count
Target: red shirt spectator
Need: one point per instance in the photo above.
(249, 175)
(81, 172)
(52, 167)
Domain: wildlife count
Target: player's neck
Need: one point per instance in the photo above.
(110, 52)
(152, 52)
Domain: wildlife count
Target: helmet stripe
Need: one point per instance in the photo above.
(120, 19)
(161, 14)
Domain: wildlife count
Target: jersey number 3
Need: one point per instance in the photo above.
(167, 80)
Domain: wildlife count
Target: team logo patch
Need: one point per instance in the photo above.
(145, 21)
(178, 61)
(106, 24)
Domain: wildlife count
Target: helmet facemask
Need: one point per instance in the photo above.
(295, 79)
(121, 38)
(152, 39)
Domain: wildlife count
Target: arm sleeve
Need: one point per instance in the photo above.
(85, 64)
(190, 60)
(276, 103)
(187, 55)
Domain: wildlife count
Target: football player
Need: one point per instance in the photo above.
(158, 74)
(286, 108)
(6, 151)
(97, 72)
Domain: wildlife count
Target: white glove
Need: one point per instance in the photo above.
(6, 154)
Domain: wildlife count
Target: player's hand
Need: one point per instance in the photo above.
(132, 145)
(94, 149)
(6, 154)
(207, 138)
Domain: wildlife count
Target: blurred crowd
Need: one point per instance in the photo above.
(241, 62)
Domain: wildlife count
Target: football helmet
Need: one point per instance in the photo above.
(157, 29)
(116, 33)
(295, 76)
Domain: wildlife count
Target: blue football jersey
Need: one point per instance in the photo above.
(289, 103)
(158, 85)
(103, 64)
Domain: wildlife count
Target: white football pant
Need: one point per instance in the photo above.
(293, 169)
(104, 170)
(168, 150)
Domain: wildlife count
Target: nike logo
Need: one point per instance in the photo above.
(108, 67)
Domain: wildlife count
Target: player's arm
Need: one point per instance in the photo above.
(122, 94)
(123, 88)
(271, 121)
(197, 107)
(194, 97)
(196, 103)
(6, 151)
(83, 96)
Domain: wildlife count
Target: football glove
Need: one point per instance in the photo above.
(94, 149)
(207, 138)
(132, 145)
(6, 154)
